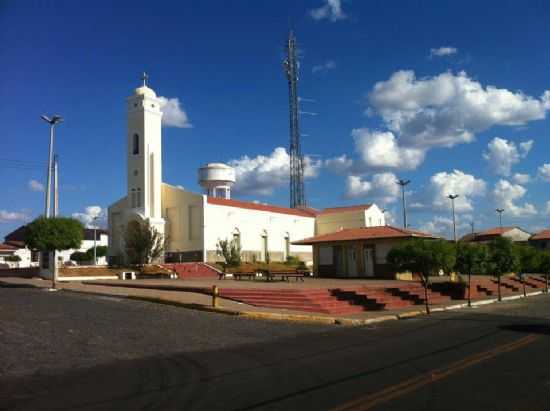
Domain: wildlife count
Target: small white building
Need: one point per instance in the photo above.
(194, 223)
(31, 258)
(24, 255)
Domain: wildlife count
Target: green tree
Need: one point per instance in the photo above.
(425, 257)
(100, 251)
(528, 261)
(230, 251)
(54, 234)
(143, 243)
(544, 266)
(471, 258)
(80, 256)
(12, 258)
(502, 259)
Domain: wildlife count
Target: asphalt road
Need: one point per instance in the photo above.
(71, 352)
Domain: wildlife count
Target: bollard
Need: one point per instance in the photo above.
(215, 294)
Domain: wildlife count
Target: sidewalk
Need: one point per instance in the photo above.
(174, 294)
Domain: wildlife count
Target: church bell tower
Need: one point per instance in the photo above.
(145, 155)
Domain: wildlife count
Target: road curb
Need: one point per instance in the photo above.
(410, 314)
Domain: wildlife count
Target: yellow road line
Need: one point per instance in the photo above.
(394, 391)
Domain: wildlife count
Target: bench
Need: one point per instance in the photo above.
(248, 274)
(287, 275)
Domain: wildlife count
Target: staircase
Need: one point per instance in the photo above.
(319, 301)
(372, 299)
(193, 270)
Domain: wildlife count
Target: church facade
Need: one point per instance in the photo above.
(194, 223)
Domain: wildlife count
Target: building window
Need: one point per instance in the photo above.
(265, 249)
(138, 197)
(133, 198)
(135, 144)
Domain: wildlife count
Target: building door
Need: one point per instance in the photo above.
(351, 261)
(368, 254)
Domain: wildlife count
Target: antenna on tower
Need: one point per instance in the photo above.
(297, 193)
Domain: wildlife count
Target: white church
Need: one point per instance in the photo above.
(193, 223)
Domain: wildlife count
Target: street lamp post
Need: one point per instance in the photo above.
(403, 183)
(452, 198)
(500, 211)
(52, 122)
(95, 237)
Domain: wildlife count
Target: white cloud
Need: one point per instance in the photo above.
(382, 188)
(35, 185)
(465, 185)
(381, 149)
(507, 194)
(339, 164)
(91, 212)
(443, 226)
(449, 109)
(521, 178)
(503, 154)
(544, 172)
(173, 115)
(12, 216)
(443, 51)
(323, 68)
(261, 175)
(331, 10)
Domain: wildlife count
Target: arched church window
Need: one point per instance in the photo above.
(237, 236)
(287, 246)
(135, 144)
(133, 198)
(138, 194)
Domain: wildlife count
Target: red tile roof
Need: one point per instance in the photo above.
(364, 233)
(302, 212)
(496, 231)
(332, 210)
(541, 235)
(7, 247)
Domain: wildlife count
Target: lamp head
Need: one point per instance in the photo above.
(52, 121)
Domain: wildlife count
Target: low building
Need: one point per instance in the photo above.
(541, 239)
(357, 252)
(334, 219)
(516, 234)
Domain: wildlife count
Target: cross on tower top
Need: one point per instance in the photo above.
(144, 77)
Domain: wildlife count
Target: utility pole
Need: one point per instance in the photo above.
(55, 187)
(500, 211)
(403, 183)
(290, 65)
(452, 198)
(52, 122)
(472, 224)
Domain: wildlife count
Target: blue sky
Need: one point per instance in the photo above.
(450, 96)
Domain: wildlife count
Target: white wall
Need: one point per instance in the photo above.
(221, 222)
